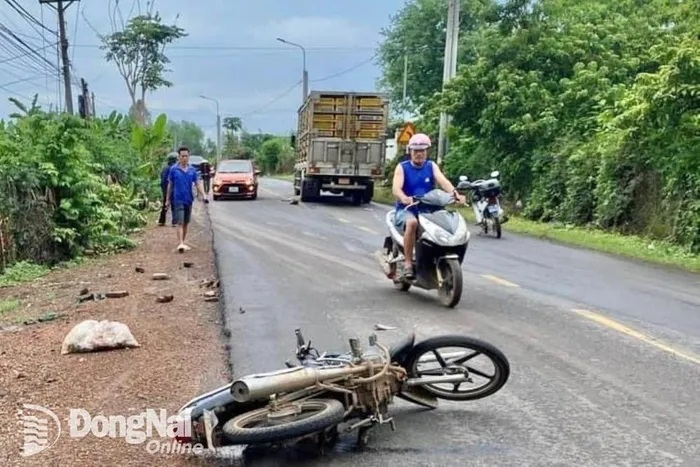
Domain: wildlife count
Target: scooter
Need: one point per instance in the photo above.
(486, 204)
(442, 241)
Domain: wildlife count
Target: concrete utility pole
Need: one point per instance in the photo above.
(61, 7)
(218, 127)
(305, 74)
(449, 70)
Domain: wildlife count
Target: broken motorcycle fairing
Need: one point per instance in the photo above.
(312, 398)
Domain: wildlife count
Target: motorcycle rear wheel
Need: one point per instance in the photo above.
(256, 426)
(475, 347)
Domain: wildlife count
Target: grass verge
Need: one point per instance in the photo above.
(652, 251)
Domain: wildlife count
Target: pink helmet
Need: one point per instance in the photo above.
(419, 141)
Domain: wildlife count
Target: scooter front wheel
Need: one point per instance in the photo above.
(450, 292)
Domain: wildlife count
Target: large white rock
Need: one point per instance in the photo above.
(91, 336)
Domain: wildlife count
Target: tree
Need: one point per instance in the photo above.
(418, 30)
(274, 155)
(188, 134)
(138, 51)
(588, 109)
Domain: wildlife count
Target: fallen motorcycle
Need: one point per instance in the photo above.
(310, 400)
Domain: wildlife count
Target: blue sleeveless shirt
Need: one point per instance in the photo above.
(416, 181)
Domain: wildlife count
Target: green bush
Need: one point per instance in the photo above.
(69, 184)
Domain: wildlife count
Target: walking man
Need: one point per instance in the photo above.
(180, 180)
(205, 169)
(164, 174)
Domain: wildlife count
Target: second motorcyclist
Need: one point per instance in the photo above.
(416, 177)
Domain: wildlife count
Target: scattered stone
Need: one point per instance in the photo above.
(86, 297)
(13, 328)
(51, 380)
(210, 293)
(100, 296)
(91, 335)
(187, 264)
(211, 299)
(164, 298)
(117, 294)
(29, 322)
(20, 375)
(383, 327)
(161, 276)
(207, 283)
(85, 291)
(50, 316)
(227, 332)
(294, 202)
(241, 310)
(140, 270)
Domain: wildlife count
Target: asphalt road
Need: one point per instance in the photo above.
(604, 353)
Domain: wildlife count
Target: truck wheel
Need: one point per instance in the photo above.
(309, 189)
(357, 198)
(368, 193)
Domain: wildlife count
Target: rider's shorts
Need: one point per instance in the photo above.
(401, 217)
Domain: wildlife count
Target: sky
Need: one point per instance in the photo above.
(231, 54)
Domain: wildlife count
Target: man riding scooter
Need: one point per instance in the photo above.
(416, 177)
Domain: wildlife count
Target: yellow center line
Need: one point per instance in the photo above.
(498, 280)
(619, 327)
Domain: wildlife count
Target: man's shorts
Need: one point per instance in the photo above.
(183, 212)
(401, 217)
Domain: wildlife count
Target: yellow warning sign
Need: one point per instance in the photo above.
(408, 130)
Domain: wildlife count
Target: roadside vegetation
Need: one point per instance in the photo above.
(590, 111)
(72, 186)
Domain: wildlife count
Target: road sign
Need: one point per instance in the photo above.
(408, 130)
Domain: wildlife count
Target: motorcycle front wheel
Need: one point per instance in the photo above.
(450, 292)
(288, 421)
(438, 360)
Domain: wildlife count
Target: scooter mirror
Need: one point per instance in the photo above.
(463, 178)
(495, 173)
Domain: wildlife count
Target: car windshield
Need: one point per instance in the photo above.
(229, 167)
(196, 159)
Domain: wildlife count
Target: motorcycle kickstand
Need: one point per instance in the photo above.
(363, 436)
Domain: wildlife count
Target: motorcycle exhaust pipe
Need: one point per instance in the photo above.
(436, 380)
(262, 386)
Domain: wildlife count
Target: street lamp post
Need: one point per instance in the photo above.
(305, 74)
(218, 127)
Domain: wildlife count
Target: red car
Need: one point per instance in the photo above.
(235, 178)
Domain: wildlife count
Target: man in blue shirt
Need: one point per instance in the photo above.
(180, 180)
(416, 177)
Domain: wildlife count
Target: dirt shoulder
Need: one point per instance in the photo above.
(182, 350)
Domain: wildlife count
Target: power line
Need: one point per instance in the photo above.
(24, 54)
(252, 48)
(27, 16)
(281, 96)
(346, 71)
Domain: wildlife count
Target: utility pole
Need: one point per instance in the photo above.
(449, 69)
(218, 127)
(84, 106)
(61, 7)
(305, 73)
(405, 83)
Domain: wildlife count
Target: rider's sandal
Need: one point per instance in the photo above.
(410, 274)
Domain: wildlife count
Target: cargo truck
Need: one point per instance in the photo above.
(340, 144)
